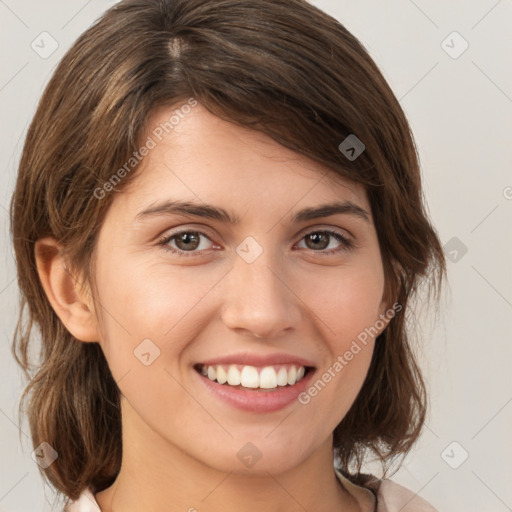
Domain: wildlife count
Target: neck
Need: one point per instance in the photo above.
(158, 476)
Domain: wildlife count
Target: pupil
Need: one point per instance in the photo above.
(316, 238)
(188, 240)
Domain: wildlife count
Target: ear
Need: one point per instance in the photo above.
(386, 313)
(71, 302)
(383, 307)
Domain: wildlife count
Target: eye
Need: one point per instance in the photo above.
(320, 240)
(185, 242)
(189, 243)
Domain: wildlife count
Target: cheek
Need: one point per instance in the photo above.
(348, 305)
(349, 309)
(347, 301)
(157, 303)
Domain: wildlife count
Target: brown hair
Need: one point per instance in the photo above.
(282, 67)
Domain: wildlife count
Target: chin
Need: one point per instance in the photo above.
(255, 458)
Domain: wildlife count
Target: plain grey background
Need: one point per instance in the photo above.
(448, 62)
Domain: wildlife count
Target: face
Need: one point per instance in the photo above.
(185, 292)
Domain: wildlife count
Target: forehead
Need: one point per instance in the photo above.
(198, 156)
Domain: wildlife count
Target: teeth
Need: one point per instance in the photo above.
(268, 378)
(233, 376)
(250, 377)
(292, 376)
(221, 375)
(282, 377)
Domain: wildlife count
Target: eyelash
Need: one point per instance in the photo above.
(346, 243)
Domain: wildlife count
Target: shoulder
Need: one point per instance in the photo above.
(85, 503)
(388, 496)
(396, 497)
(375, 495)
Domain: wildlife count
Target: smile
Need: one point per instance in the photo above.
(253, 377)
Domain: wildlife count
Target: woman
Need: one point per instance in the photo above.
(219, 227)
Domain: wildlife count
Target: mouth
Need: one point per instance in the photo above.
(254, 378)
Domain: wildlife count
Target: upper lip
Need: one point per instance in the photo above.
(258, 360)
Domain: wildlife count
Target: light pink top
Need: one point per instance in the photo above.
(391, 497)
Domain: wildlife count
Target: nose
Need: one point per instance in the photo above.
(259, 301)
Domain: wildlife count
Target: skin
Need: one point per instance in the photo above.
(180, 443)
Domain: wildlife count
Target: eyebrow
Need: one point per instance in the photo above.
(217, 213)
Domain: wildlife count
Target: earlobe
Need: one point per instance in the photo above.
(384, 307)
(384, 316)
(71, 302)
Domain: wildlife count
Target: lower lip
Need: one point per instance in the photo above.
(258, 400)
